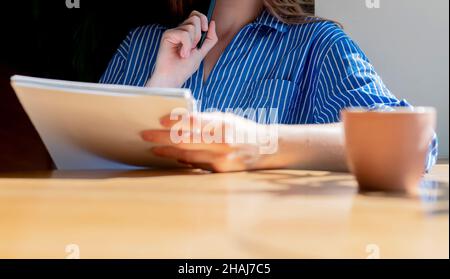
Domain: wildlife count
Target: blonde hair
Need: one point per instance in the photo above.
(290, 11)
(287, 11)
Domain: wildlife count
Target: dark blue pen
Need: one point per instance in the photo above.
(212, 5)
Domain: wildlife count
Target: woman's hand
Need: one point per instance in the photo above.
(178, 55)
(214, 141)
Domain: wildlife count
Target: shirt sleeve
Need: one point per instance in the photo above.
(348, 79)
(115, 71)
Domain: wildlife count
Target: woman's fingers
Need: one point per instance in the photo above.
(187, 141)
(210, 41)
(203, 159)
(194, 120)
(209, 127)
(193, 26)
(187, 156)
(203, 19)
(179, 37)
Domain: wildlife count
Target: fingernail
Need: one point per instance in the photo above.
(165, 122)
(147, 136)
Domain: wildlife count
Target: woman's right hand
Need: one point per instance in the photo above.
(178, 56)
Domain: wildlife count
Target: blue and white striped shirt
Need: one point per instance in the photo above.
(309, 72)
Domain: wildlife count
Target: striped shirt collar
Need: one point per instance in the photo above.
(268, 20)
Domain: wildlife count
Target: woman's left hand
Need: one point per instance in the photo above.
(216, 142)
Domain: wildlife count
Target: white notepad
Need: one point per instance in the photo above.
(89, 126)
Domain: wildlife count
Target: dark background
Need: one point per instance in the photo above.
(44, 38)
(47, 38)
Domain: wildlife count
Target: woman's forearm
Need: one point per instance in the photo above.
(318, 147)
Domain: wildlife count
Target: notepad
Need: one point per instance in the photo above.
(87, 126)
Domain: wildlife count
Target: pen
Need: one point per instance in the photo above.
(212, 5)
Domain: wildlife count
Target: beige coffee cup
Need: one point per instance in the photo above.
(386, 150)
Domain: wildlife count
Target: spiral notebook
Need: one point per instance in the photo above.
(88, 126)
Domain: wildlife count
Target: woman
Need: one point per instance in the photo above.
(258, 54)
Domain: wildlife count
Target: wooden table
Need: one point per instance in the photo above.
(173, 214)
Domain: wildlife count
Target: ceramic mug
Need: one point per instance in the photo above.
(386, 150)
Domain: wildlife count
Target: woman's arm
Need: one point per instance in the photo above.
(314, 147)
(222, 143)
(115, 71)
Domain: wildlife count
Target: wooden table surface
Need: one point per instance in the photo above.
(173, 214)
